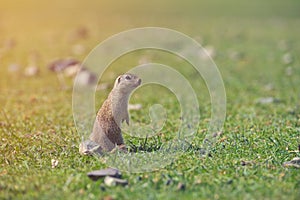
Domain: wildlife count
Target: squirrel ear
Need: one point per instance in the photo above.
(119, 79)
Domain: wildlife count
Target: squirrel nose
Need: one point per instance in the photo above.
(139, 81)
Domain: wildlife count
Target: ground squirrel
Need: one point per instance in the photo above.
(106, 133)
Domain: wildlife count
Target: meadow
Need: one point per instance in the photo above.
(256, 47)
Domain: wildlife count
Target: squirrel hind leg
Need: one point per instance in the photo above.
(120, 148)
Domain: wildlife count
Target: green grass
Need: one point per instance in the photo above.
(36, 122)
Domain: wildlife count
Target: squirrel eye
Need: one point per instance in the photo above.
(127, 77)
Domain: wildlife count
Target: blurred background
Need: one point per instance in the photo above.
(34, 25)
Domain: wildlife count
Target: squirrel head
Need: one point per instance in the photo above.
(126, 83)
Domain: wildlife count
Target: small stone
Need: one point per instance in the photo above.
(72, 70)
(111, 172)
(54, 163)
(197, 181)
(295, 162)
(217, 134)
(111, 181)
(181, 186)
(209, 52)
(267, 100)
(203, 152)
(245, 162)
(31, 71)
(81, 191)
(287, 58)
(61, 64)
(85, 77)
(134, 106)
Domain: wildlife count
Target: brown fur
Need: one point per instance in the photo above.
(108, 124)
(107, 131)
